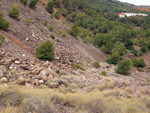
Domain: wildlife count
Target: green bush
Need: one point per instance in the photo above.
(1, 39)
(140, 53)
(57, 15)
(45, 51)
(45, 22)
(51, 28)
(50, 7)
(141, 63)
(64, 12)
(124, 67)
(113, 58)
(58, 40)
(52, 36)
(128, 43)
(4, 24)
(96, 65)
(24, 2)
(0, 42)
(41, 29)
(57, 71)
(144, 49)
(74, 29)
(14, 13)
(64, 34)
(135, 62)
(104, 73)
(52, 16)
(140, 69)
(32, 4)
(78, 66)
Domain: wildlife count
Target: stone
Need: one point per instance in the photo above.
(41, 81)
(4, 71)
(23, 55)
(17, 62)
(4, 79)
(36, 71)
(37, 83)
(21, 81)
(53, 85)
(25, 67)
(43, 72)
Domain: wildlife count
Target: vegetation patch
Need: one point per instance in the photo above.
(78, 66)
(45, 51)
(4, 24)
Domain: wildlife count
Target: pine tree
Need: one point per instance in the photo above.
(50, 7)
(14, 13)
(141, 63)
(74, 29)
(25, 2)
(4, 24)
(45, 51)
(57, 15)
(128, 43)
(124, 67)
(32, 4)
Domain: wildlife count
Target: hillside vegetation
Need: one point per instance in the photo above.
(73, 56)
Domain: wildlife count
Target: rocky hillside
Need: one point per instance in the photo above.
(58, 87)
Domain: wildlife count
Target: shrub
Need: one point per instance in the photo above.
(51, 28)
(12, 98)
(104, 73)
(74, 29)
(140, 69)
(50, 7)
(45, 51)
(57, 71)
(124, 67)
(96, 65)
(135, 62)
(45, 22)
(128, 43)
(140, 53)
(58, 40)
(64, 34)
(41, 29)
(52, 36)
(28, 21)
(2, 38)
(58, 26)
(57, 3)
(141, 63)
(78, 66)
(4, 24)
(144, 49)
(52, 16)
(96, 106)
(36, 105)
(57, 15)
(14, 13)
(113, 58)
(32, 4)
(1, 43)
(64, 12)
(24, 2)
(63, 21)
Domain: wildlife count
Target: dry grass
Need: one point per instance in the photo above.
(107, 101)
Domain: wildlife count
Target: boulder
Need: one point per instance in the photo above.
(4, 79)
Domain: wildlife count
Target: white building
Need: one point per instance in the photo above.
(122, 15)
